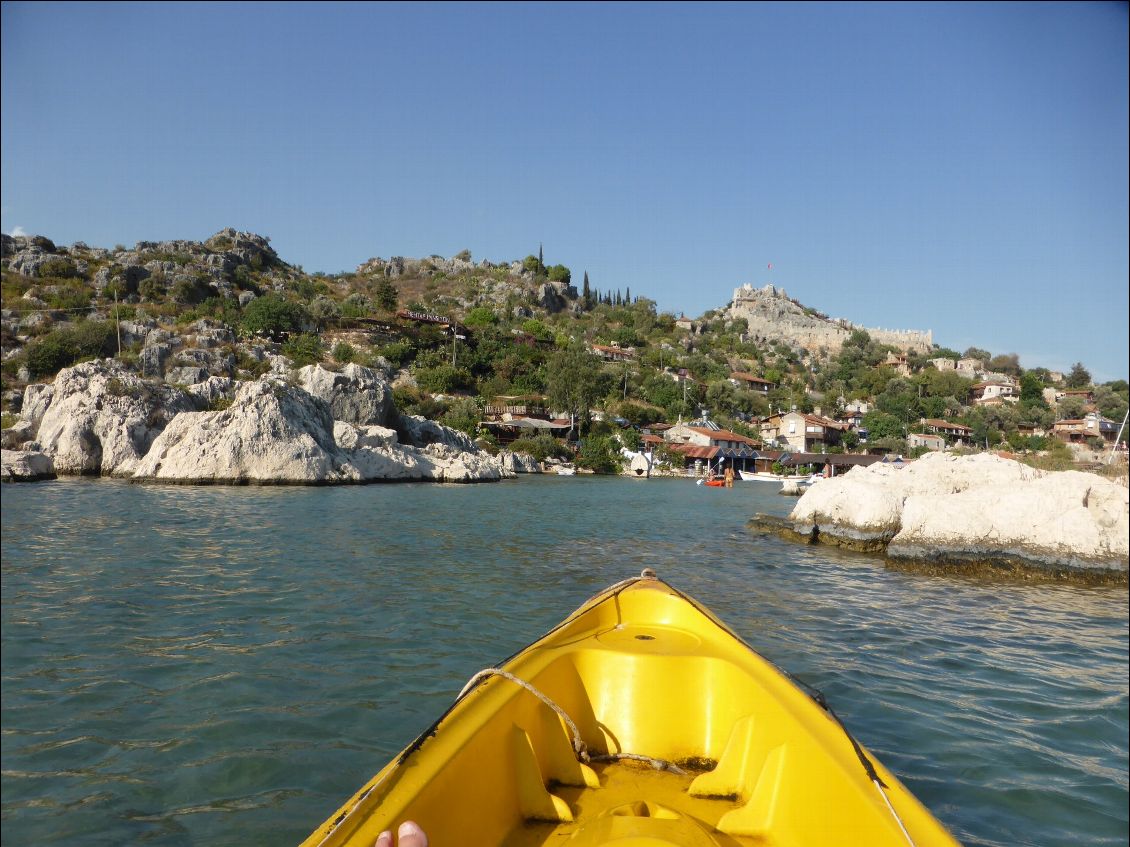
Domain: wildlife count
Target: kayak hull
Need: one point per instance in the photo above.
(640, 720)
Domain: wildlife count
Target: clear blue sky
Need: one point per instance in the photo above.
(960, 168)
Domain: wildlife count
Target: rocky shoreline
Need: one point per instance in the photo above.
(312, 426)
(968, 513)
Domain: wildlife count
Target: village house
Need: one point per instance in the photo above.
(613, 353)
(970, 367)
(851, 419)
(943, 364)
(992, 393)
(704, 441)
(806, 433)
(740, 379)
(899, 362)
(707, 434)
(1091, 425)
(684, 323)
(1084, 394)
(957, 434)
(925, 439)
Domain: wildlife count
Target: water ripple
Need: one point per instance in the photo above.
(227, 665)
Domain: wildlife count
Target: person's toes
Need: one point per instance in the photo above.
(384, 839)
(410, 835)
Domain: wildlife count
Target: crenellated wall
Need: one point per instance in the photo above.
(773, 315)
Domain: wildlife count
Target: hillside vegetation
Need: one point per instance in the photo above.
(521, 327)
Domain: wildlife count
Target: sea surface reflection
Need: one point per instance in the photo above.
(227, 665)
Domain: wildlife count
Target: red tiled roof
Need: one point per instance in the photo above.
(693, 451)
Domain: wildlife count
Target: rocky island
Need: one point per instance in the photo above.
(981, 509)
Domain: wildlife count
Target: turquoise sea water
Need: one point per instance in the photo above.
(227, 665)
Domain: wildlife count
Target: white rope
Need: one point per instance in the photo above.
(579, 746)
(894, 814)
(658, 764)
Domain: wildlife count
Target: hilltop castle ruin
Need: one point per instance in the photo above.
(774, 316)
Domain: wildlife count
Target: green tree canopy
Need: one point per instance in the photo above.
(273, 314)
(573, 380)
(1079, 377)
(387, 295)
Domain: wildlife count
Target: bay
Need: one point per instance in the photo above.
(223, 666)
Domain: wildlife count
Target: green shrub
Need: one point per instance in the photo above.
(73, 296)
(273, 315)
(412, 401)
(464, 415)
(443, 379)
(599, 455)
(541, 446)
(398, 353)
(304, 349)
(481, 316)
(344, 353)
(59, 267)
(191, 290)
(95, 339)
(152, 287)
(52, 353)
(559, 273)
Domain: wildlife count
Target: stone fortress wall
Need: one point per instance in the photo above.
(773, 315)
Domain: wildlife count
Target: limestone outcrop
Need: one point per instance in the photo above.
(25, 466)
(356, 395)
(517, 463)
(982, 508)
(277, 433)
(100, 418)
(325, 427)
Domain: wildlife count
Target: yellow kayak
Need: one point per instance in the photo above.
(639, 721)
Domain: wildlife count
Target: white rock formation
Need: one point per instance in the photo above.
(355, 395)
(25, 466)
(99, 418)
(275, 432)
(973, 508)
(516, 463)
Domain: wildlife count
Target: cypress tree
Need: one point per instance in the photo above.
(541, 264)
(628, 296)
(586, 294)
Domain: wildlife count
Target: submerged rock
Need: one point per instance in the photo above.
(980, 508)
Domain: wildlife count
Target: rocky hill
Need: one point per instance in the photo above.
(185, 325)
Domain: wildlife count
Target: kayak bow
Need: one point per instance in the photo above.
(640, 721)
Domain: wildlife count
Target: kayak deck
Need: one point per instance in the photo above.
(669, 813)
(532, 754)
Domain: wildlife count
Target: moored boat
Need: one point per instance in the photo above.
(639, 720)
(760, 476)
